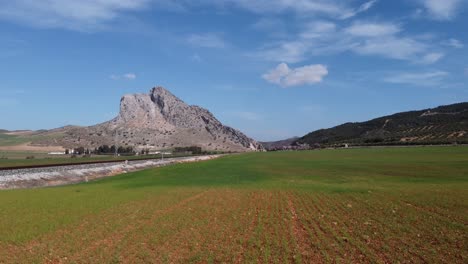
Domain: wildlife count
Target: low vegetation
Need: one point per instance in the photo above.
(7, 139)
(351, 205)
(441, 125)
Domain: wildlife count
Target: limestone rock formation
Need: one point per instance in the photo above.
(158, 120)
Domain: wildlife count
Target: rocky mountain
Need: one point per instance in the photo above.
(441, 125)
(158, 120)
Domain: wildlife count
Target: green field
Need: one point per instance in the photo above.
(12, 140)
(382, 205)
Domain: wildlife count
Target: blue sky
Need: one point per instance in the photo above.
(271, 68)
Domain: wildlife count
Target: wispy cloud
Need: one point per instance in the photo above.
(284, 76)
(365, 29)
(402, 48)
(126, 76)
(70, 14)
(431, 58)
(454, 43)
(273, 26)
(332, 8)
(327, 7)
(434, 78)
(206, 40)
(442, 9)
(318, 29)
(385, 39)
(288, 51)
(363, 8)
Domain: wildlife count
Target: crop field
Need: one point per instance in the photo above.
(374, 205)
(11, 140)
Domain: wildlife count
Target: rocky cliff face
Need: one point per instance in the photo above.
(158, 120)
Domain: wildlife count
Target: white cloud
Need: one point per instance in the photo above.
(269, 24)
(332, 8)
(126, 76)
(363, 8)
(431, 58)
(434, 78)
(287, 77)
(130, 76)
(69, 14)
(442, 9)
(329, 7)
(318, 29)
(454, 43)
(384, 39)
(372, 29)
(401, 48)
(289, 51)
(207, 40)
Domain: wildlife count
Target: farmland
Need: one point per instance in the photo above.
(372, 205)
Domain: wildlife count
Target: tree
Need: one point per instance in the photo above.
(79, 150)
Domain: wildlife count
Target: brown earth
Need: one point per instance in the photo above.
(242, 226)
(28, 147)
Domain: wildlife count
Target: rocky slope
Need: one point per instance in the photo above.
(158, 120)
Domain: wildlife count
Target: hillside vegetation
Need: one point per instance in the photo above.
(351, 205)
(441, 125)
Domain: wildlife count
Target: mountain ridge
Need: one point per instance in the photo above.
(440, 125)
(446, 124)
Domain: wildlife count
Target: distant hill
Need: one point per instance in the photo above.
(278, 144)
(440, 125)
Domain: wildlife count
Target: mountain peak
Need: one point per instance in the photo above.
(160, 120)
(159, 90)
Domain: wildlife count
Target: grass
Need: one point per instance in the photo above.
(357, 205)
(13, 140)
